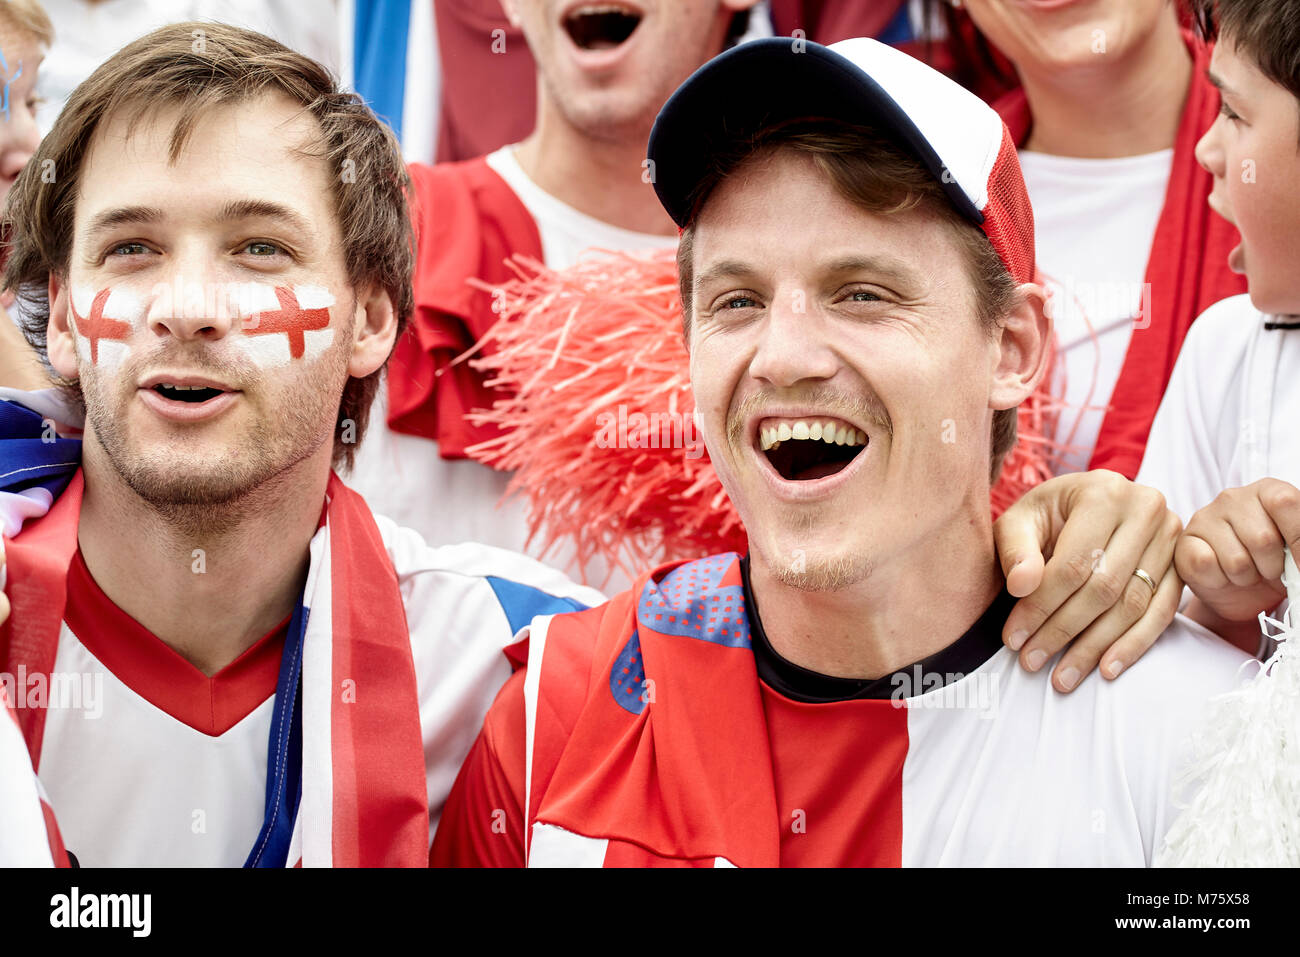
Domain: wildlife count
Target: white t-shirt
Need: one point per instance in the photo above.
(565, 232)
(1094, 222)
(457, 500)
(1229, 415)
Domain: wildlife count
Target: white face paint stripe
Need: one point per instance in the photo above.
(273, 325)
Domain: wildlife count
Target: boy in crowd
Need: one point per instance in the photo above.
(1223, 446)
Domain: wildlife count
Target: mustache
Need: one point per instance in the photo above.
(864, 408)
(192, 358)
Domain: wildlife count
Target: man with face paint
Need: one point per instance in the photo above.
(856, 270)
(266, 674)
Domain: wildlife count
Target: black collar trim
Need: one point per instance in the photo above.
(980, 642)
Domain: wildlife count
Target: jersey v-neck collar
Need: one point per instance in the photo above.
(153, 670)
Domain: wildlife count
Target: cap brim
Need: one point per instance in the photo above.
(763, 82)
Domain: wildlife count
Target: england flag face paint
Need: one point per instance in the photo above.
(285, 323)
(105, 320)
(272, 325)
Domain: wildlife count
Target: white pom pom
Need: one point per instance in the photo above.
(1246, 769)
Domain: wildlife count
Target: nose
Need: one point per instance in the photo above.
(19, 137)
(191, 304)
(1209, 149)
(793, 344)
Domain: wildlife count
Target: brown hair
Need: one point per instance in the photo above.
(869, 170)
(27, 16)
(1268, 31)
(200, 65)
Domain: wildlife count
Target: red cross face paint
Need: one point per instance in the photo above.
(103, 320)
(284, 324)
(272, 325)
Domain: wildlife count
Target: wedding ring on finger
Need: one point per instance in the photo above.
(1147, 579)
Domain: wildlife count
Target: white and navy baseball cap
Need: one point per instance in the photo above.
(956, 135)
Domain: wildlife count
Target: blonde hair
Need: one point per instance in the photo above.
(29, 17)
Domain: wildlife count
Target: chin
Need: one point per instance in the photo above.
(803, 562)
(166, 479)
(602, 113)
(1271, 300)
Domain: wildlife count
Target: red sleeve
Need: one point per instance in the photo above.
(482, 823)
(467, 223)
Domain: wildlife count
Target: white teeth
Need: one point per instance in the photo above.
(595, 8)
(829, 432)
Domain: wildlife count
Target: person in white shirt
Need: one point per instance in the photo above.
(1223, 446)
(1112, 100)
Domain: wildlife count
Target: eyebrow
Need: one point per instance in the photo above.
(726, 269)
(262, 209)
(123, 216)
(235, 209)
(1217, 82)
(887, 267)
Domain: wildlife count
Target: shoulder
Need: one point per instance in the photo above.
(458, 188)
(1172, 684)
(441, 579)
(1220, 336)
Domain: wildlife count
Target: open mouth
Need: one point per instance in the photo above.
(601, 26)
(801, 450)
(186, 393)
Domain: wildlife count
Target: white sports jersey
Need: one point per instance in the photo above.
(663, 727)
(160, 766)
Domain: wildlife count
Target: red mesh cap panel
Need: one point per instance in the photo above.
(1008, 218)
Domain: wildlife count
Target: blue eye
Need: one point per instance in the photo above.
(738, 302)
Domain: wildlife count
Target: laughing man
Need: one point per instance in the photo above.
(856, 269)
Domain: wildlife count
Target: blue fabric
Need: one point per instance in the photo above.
(627, 677)
(523, 603)
(283, 754)
(692, 602)
(379, 56)
(31, 455)
(899, 29)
